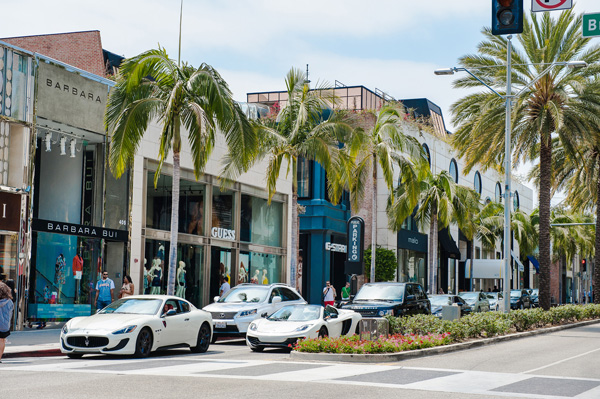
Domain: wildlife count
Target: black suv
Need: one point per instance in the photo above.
(396, 299)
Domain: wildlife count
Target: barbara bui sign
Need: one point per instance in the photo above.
(50, 226)
(356, 245)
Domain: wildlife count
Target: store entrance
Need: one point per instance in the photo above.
(220, 266)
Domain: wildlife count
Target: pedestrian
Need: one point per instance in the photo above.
(496, 289)
(6, 311)
(329, 295)
(127, 288)
(104, 291)
(224, 286)
(346, 292)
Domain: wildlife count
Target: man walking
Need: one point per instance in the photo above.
(346, 292)
(104, 291)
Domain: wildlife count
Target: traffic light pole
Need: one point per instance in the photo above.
(507, 169)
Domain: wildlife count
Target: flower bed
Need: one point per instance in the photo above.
(426, 331)
(353, 344)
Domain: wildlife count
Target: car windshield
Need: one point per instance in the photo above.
(386, 292)
(470, 295)
(245, 294)
(440, 300)
(134, 306)
(515, 293)
(297, 313)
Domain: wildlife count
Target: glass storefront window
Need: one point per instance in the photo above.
(411, 267)
(191, 205)
(261, 223)
(156, 267)
(261, 268)
(303, 178)
(222, 209)
(220, 267)
(8, 257)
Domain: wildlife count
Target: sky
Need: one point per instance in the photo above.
(390, 45)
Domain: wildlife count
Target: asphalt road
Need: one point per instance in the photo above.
(564, 364)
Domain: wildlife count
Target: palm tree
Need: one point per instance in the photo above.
(382, 144)
(152, 87)
(439, 201)
(554, 105)
(299, 131)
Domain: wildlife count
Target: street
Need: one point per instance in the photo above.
(561, 364)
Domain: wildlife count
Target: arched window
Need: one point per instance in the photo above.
(516, 201)
(498, 193)
(477, 183)
(427, 153)
(454, 170)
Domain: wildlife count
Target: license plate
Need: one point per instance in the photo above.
(220, 324)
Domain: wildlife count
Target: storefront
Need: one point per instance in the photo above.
(242, 240)
(412, 257)
(80, 212)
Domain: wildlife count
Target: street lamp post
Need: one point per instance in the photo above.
(508, 97)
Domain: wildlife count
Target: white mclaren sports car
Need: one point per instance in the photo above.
(283, 328)
(138, 325)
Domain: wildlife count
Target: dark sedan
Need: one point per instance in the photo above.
(520, 299)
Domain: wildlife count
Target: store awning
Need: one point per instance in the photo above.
(535, 262)
(448, 244)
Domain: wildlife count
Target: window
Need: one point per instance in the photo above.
(427, 153)
(477, 183)
(516, 202)
(184, 306)
(287, 295)
(454, 170)
(303, 178)
(261, 223)
(498, 193)
(222, 209)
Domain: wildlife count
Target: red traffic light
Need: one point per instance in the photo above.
(583, 265)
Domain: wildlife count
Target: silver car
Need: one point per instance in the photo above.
(477, 301)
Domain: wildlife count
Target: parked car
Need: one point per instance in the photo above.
(233, 312)
(396, 299)
(534, 293)
(477, 300)
(138, 325)
(439, 301)
(283, 328)
(494, 298)
(520, 299)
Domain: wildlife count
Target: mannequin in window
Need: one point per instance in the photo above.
(242, 274)
(161, 252)
(77, 272)
(59, 274)
(265, 280)
(255, 277)
(156, 275)
(180, 291)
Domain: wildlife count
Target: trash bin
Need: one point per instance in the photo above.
(450, 312)
(371, 329)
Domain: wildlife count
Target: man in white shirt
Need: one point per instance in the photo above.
(224, 286)
(329, 294)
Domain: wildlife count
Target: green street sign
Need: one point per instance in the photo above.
(591, 25)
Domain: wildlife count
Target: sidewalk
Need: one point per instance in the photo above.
(33, 342)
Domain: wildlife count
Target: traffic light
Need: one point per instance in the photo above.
(583, 265)
(507, 17)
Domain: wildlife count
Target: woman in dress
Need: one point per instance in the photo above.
(127, 288)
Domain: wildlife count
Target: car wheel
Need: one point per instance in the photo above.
(203, 340)
(323, 332)
(257, 348)
(75, 355)
(143, 344)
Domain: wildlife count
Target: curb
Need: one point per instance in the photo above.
(398, 356)
(33, 353)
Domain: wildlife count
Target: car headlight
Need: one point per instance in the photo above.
(247, 312)
(125, 330)
(304, 327)
(386, 312)
(253, 327)
(65, 329)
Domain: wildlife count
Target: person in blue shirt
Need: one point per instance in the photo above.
(6, 311)
(104, 291)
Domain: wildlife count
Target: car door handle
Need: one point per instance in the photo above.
(186, 320)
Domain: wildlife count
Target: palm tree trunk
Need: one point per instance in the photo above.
(431, 278)
(294, 243)
(596, 284)
(174, 224)
(374, 221)
(544, 226)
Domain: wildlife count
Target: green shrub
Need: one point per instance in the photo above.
(385, 264)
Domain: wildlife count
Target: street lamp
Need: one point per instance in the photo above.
(507, 147)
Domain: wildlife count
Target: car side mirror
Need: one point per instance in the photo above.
(170, 312)
(410, 298)
(276, 299)
(216, 299)
(333, 316)
(264, 314)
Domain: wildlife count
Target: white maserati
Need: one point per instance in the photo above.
(138, 325)
(283, 328)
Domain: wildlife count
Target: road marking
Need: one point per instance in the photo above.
(561, 361)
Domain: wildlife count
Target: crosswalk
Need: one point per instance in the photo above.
(390, 375)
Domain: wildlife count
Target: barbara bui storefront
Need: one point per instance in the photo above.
(80, 212)
(232, 234)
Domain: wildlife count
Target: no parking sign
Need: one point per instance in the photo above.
(551, 5)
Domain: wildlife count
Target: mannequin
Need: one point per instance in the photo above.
(180, 291)
(265, 280)
(77, 272)
(161, 252)
(156, 275)
(243, 274)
